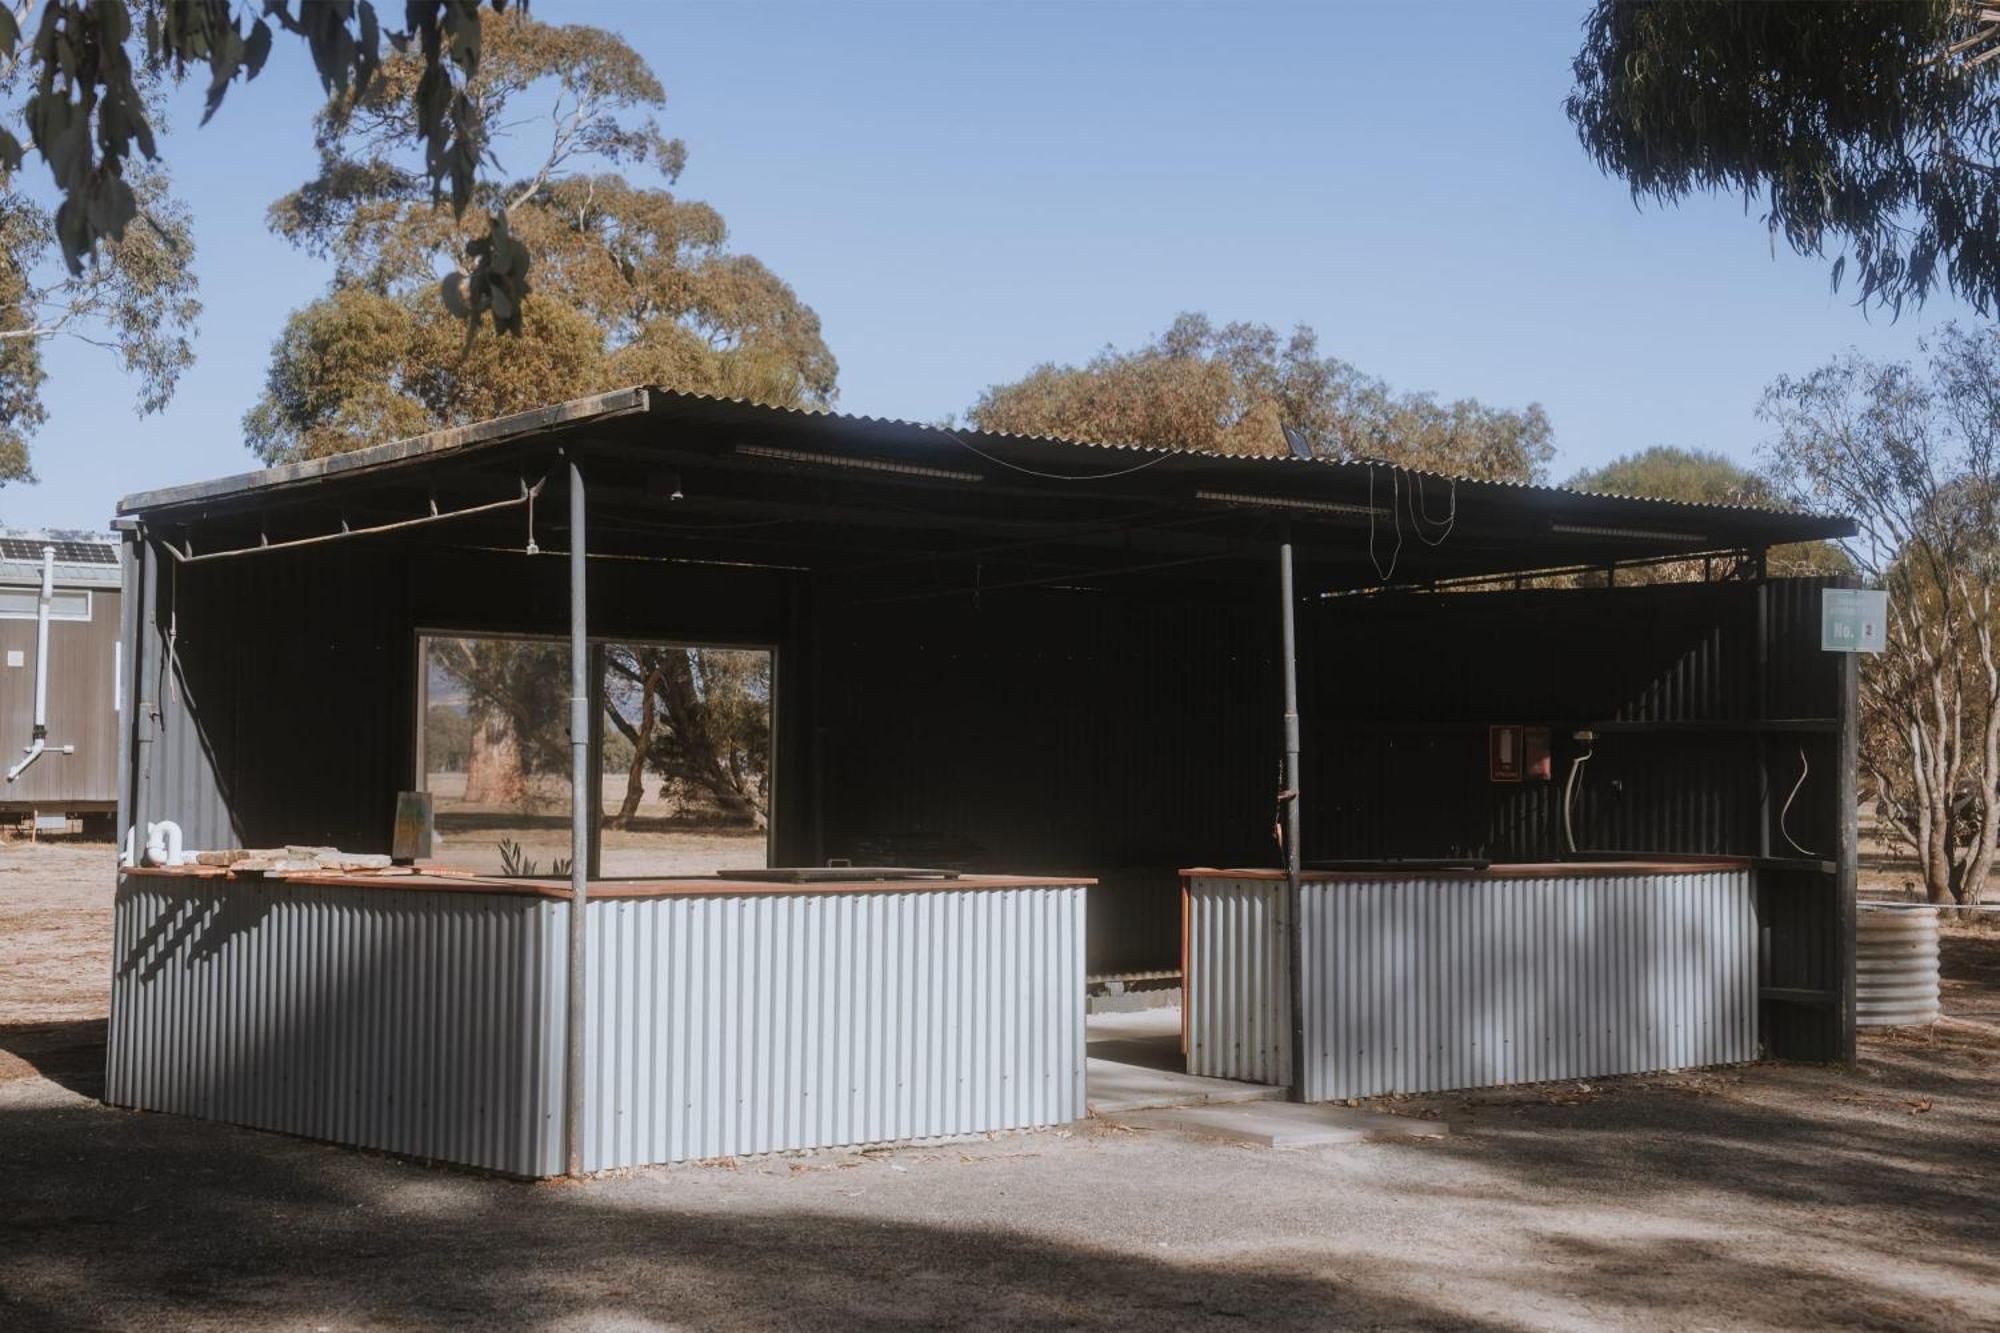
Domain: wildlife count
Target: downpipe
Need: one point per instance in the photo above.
(38, 744)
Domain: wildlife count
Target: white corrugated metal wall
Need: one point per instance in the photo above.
(427, 1023)
(746, 1024)
(1432, 984)
(1237, 985)
(430, 1022)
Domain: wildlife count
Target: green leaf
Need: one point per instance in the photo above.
(257, 49)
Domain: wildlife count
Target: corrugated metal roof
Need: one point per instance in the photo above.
(1007, 438)
(1016, 451)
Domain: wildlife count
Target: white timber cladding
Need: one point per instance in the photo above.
(431, 1022)
(1424, 985)
(730, 1025)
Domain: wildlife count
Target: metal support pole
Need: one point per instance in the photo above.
(579, 827)
(1847, 855)
(145, 713)
(598, 656)
(1295, 903)
(1761, 683)
(1291, 670)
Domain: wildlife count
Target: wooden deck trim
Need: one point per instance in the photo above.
(1522, 870)
(446, 881)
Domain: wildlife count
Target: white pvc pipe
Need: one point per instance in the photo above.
(48, 597)
(163, 844)
(40, 741)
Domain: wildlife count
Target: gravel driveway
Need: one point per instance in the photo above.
(1764, 1197)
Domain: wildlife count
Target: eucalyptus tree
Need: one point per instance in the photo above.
(633, 283)
(1697, 476)
(93, 244)
(88, 115)
(1867, 133)
(1913, 452)
(135, 297)
(1232, 388)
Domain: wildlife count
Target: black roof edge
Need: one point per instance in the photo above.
(415, 449)
(1780, 525)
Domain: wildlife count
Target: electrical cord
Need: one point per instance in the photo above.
(1055, 476)
(1395, 509)
(1569, 793)
(1420, 512)
(1786, 810)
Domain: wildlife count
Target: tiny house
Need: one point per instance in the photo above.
(60, 656)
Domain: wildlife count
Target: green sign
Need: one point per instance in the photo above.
(1853, 620)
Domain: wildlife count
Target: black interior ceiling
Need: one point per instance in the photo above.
(884, 510)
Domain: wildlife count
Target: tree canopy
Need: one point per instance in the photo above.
(134, 296)
(89, 62)
(1232, 388)
(1868, 131)
(1912, 451)
(634, 284)
(99, 249)
(1694, 476)
(1665, 472)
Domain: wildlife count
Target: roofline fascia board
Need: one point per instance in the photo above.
(1725, 522)
(382, 457)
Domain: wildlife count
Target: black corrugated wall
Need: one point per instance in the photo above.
(1074, 732)
(1710, 704)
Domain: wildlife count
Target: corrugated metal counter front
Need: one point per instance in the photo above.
(1424, 981)
(424, 1014)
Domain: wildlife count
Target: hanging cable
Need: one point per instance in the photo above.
(1786, 810)
(173, 662)
(1420, 513)
(1569, 787)
(1056, 476)
(1395, 509)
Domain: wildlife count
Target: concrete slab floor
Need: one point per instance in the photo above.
(1134, 1063)
(1281, 1124)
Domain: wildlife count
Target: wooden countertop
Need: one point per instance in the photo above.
(1389, 873)
(432, 879)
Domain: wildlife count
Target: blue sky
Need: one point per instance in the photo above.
(963, 190)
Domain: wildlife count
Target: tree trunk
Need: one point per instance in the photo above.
(702, 762)
(642, 741)
(493, 768)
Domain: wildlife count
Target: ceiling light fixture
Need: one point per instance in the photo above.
(1625, 534)
(855, 463)
(1287, 502)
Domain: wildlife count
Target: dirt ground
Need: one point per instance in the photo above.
(662, 840)
(1772, 1196)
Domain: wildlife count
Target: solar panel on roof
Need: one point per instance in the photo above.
(73, 553)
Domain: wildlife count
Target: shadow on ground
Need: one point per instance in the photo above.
(68, 1054)
(1775, 1196)
(117, 1220)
